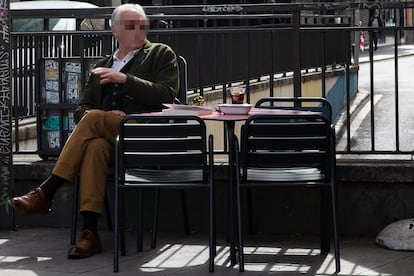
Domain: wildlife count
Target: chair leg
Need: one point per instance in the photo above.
(185, 213)
(240, 233)
(214, 227)
(116, 229)
(75, 208)
(335, 231)
(249, 196)
(155, 219)
(108, 213)
(325, 222)
(155, 216)
(139, 221)
(237, 193)
(212, 230)
(212, 207)
(122, 222)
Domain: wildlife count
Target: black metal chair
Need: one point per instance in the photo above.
(162, 152)
(313, 104)
(290, 151)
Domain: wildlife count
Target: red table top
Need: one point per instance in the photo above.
(240, 117)
(218, 116)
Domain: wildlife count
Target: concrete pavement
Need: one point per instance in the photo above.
(42, 251)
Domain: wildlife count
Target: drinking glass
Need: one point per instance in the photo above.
(237, 95)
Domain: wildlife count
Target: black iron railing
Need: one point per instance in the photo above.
(223, 45)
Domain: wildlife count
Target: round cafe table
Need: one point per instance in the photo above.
(229, 123)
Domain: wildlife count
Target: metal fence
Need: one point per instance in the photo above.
(223, 45)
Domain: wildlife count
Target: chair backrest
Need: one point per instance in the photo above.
(182, 90)
(315, 104)
(161, 142)
(288, 141)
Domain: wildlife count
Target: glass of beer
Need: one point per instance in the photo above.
(237, 95)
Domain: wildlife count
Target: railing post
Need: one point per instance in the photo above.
(296, 54)
(6, 157)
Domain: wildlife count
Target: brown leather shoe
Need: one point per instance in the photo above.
(33, 202)
(87, 245)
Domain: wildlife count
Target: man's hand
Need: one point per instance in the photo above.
(109, 75)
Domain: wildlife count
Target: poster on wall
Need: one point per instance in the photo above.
(73, 80)
(51, 87)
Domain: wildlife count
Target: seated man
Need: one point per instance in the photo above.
(138, 77)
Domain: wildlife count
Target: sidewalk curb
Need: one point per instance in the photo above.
(356, 105)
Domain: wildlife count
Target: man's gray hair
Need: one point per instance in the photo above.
(128, 7)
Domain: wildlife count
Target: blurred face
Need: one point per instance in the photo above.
(130, 30)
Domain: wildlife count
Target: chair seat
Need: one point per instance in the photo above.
(285, 174)
(163, 176)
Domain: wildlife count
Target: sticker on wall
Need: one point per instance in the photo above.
(71, 121)
(52, 82)
(53, 139)
(72, 88)
(51, 69)
(52, 91)
(73, 81)
(51, 123)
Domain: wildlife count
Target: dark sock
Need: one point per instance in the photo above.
(90, 221)
(51, 185)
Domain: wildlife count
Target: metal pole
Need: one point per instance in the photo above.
(296, 56)
(357, 36)
(6, 156)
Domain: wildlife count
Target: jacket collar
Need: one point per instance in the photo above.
(140, 55)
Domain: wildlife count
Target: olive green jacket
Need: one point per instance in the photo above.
(152, 79)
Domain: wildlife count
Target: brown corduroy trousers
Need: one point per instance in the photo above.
(89, 151)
